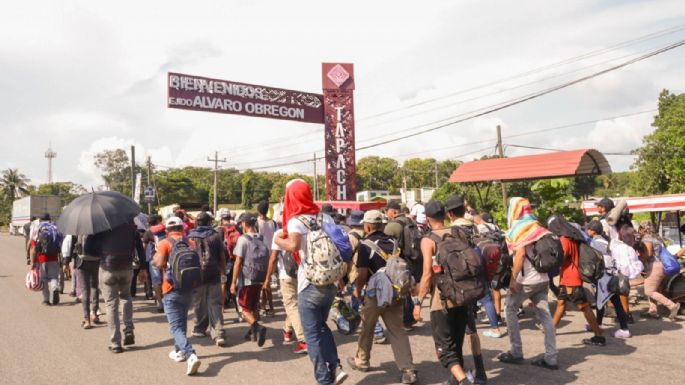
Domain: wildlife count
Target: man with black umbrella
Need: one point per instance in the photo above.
(116, 249)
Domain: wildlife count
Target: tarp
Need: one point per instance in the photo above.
(353, 205)
(541, 166)
(655, 203)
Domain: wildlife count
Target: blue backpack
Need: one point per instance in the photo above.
(670, 262)
(340, 239)
(184, 271)
(49, 240)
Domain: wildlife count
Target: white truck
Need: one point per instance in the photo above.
(36, 205)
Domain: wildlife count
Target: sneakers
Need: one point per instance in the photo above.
(176, 356)
(543, 364)
(199, 334)
(379, 339)
(261, 335)
(220, 342)
(193, 364)
(408, 327)
(674, 312)
(352, 362)
(621, 333)
(129, 339)
(287, 336)
(631, 320)
(55, 297)
(301, 348)
(492, 334)
(508, 358)
(116, 349)
(595, 341)
(408, 376)
(340, 376)
(45, 303)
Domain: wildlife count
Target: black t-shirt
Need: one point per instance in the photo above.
(371, 260)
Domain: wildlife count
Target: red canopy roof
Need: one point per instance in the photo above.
(354, 205)
(541, 166)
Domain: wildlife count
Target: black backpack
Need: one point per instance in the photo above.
(184, 266)
(462, 280)
(209, 264)
(590, 263)
(410, 240)
(256, 260)
(548, 255)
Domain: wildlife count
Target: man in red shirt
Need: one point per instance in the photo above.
(570, 285)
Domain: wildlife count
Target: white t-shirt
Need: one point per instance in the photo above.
(602, 245)
(279, 264)
(267, 228)
(295, 226)
(419, 213)
(530, 276)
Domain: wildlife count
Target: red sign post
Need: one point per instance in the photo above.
(338, 85)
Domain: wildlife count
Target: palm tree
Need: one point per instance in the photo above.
(13, 184)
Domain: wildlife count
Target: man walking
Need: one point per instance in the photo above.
(369, 263)
(208, 300)
(44, 249)
(116, 249)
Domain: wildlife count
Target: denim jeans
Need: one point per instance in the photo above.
(314, 304)
(176, 305)
(489, 308)
(538, 295)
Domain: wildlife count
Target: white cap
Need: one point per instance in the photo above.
(174, 221)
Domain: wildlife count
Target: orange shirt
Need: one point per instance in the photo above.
(163, 250)
(570, 276)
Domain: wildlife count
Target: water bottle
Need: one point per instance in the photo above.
(437, 268)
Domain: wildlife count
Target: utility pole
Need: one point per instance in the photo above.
(149, 171)
(500, 150)
(404, 185)
(133, 172)
(50, 155)
(436, 175)
(316, 180)
(216, 161)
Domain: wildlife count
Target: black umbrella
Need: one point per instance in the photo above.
(97, 212)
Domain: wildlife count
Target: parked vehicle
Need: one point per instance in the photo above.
(35, 205)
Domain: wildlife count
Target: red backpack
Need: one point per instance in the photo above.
(231, 235)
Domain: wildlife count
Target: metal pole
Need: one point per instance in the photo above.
(316, 180)
(436, 175)
(500, 150)
(133, 172)
(216, 161)
(149, 171)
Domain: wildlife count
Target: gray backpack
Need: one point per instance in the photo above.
(256, 259)
(395, 268)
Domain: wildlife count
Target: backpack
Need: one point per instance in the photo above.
(352, 271)
(323, 265)
(151, 247)
(670, 262)
(231, 235)
(590, 263)
(548, 255)
(396, 268)
(184, 266)
(48, 240)
(340, 239)
(410, 239)
(289, 264)
(491, 246)
(209, 266)
(462, 280)
(33, 281)
(256, 259)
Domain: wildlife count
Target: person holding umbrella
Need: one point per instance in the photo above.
(108, 217)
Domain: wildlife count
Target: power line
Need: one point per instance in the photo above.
(557, 149)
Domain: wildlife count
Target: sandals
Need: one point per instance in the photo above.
(85, 324)
(95, 319)
(508, 358)
(595, 341)
(540, 362)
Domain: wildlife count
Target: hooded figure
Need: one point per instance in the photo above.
(524, 227)
(297, 201)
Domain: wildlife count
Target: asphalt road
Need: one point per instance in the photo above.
(45, 345)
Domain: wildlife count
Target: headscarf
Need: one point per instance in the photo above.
(297, 201)
(524, 227)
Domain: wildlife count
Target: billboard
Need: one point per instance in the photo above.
(338, 85)
(198, 93)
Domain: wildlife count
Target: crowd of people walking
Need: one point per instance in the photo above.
(359, 268)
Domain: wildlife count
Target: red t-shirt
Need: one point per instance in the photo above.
(570, 276)
(42, 258)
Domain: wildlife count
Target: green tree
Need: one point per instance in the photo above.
(376, 173)
(183, 185)
(660, 162)
(13, 184)
(554, 196)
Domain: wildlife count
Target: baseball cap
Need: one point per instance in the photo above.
(393, 204)
(249, 218)
(595, 226)
(174, 221)
(454, 202)
(434, 209)
(356, 218)
(606, 203)
(373, 216)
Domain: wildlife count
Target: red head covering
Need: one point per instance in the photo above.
(297, 201)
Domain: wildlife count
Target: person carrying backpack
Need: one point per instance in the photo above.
(535, 250)
(155, 233)
(44, 249)
(375, 253)
(208, 300)
(316, 282)
(86, 267)
(266, 228)
(447, 318)
(408, 235)
(251, 262)
(570, 281)
(180, 264)
(231, 235)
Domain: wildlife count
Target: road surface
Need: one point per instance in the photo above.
(45, 345)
